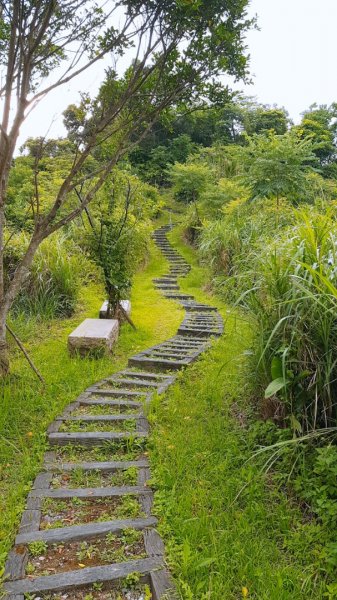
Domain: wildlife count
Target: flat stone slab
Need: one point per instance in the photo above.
(93, 335)
(126, 305)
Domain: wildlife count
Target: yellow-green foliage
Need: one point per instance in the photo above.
(59, 269)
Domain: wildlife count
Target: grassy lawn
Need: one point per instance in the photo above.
(229, 532)
(27, 409)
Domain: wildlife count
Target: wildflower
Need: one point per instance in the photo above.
(30, 434)
(245, 592)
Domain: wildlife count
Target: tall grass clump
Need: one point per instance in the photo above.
(294, 301)
(232, 245)
(58, 270)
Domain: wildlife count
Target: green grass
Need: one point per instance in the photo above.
(228, 529)
(27, 409)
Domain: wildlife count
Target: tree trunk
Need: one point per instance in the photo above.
(4, 354)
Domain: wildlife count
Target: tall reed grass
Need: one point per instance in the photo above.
(58, 270)
(295, 304)
(282, 267)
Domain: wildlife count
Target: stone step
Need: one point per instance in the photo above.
(103, 492)
(100, 418)
(92, 438)
(151, 376)
(116, 403)
(72, 580)
(178, 295)
(107, 466)
(115, 393)
(168, 279)
(158, 363)
(200, 332)
(136, 382)
(194, 306)
(167, 287)
(77, 533)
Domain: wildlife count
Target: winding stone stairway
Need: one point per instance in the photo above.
(93, 487)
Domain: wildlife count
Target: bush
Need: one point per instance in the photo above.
(58, 270)
(189, 181)
(233, 244)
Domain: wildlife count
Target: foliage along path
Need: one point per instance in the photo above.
(88, 522)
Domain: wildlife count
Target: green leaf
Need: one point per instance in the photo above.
(275, 386)
(276, 367)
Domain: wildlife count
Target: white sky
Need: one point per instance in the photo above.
(293, 63)
(294, 55)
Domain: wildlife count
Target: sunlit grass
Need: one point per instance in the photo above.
(27, 409)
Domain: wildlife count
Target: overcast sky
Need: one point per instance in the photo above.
(293, 63)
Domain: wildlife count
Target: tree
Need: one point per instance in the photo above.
(119, 231)
(189, 181)
(178, 48)
(262, 119)
(274, 166)
(319, 124)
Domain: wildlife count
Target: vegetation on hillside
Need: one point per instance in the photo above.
(244, 446)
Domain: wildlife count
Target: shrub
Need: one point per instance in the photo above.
(295, 305)
(189, 180)
(58, 269)
(233, 244)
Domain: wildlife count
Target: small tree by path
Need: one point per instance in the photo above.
(175, 50)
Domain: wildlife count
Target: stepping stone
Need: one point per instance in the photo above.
(168, 279)
(178, 295)
(167, 286)
(93, 335)
(196, 307)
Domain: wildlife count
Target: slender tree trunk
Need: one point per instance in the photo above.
(4, 354)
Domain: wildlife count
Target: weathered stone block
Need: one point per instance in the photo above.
(126, 304)
(93, 336)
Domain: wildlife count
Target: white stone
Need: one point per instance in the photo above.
(126, 304)
(93, 335)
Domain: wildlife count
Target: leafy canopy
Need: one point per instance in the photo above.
(275, 166)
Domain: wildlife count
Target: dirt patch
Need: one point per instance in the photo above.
(70, 556)
(78, 511)
(124, 591)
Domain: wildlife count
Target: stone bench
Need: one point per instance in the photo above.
(126, 304)
(93, 336)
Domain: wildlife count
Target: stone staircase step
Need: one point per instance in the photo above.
(92, 438)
